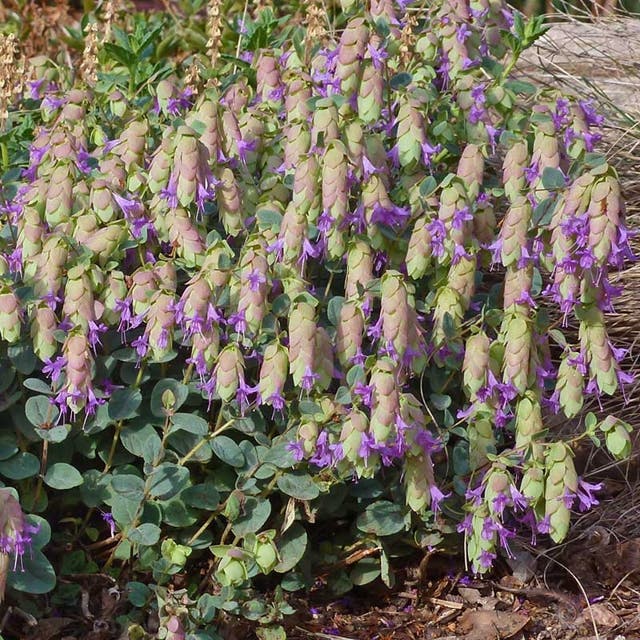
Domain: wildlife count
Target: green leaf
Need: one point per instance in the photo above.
(228, 451)
(40, 411)
(190, 423)
(543, 212)
(62, 476)
(254, 513)
(95, 488)
(440, 401)
(279, 456)
(298, 485)
(19, 467)
(356, 374)
(35, 384)
(309, 408)
(124, 404)
(400, 80)
(382, 518)
(8, 446)
(139, 594)
(167, 480)
(201, 496)
(334, 308)
(269, 218)
(291, 547)
(168, 391)
(128, 486)
(145, 534)
(428, 186)
(142, 440)
(519, 86)
(38, 576)
(119, 54)
(365, 571)
(42, 537)
(56, 434)
(343, 396)
(23, 358)
(553, 179)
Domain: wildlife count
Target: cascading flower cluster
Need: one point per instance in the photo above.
(331, 234)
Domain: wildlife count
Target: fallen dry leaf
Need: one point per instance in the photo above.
(491, 625)
(602, 615)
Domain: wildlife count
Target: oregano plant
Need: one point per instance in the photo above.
(325, 279)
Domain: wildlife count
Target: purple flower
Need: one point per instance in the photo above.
(93, 335)
(544, 526)
(585, 495)
(255, 279)
(51, 103)
(466, 526)
(427, 441)
(378, 55)
(54, 368)
(107, 516)
(243, 393)
(428, 151)
(141, 345)
(436, 498)
(322, 456)
(462, 32)
(486, 559)
(367, 446)
(34, 88)
(592, 118)
(365, 391)
(309, 379)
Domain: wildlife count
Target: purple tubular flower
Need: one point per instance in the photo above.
(296, 450)
(436, 498)
(107, 516)
(585, 492)
(367, 446)
(466, 526)
(486, 559)
(53, 368)
(309, 379)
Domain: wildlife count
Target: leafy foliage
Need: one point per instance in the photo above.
(222, 302)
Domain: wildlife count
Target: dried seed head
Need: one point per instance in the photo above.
(111, 7)
(89, 63)
(408, 38)
(315, 19)
(12, 74)
(214, 31)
